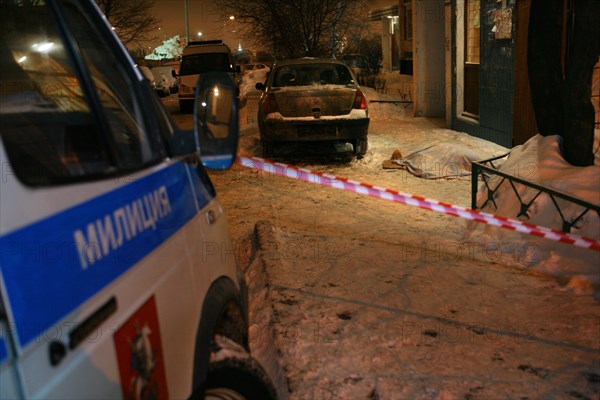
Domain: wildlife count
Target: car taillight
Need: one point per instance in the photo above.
(360, 101)
(270, 104)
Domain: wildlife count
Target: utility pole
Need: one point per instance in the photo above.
(187, 25)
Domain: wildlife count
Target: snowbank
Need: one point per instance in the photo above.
(396, 84)
(540, 161)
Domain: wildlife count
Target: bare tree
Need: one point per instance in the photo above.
(561, 94)
(297, 28)
(133, 20)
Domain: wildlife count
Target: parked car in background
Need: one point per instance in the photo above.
(312, 99)
(248, 68)
(166, 82)
(264, 58)
(199, 58)
(147, 73)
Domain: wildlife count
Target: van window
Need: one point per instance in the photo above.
(115, 89)
(205, 62)
(47, 127)
(50, 133)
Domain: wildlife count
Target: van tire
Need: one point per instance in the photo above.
(224, 313)
(233, 373)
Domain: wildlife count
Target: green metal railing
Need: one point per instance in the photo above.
(486, 168)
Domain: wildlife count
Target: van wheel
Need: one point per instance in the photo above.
(233, 374)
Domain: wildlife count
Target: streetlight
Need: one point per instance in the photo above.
(200, 35)
(231, 20)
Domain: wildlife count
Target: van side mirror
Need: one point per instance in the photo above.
(216, 120)
(260, 86)
(173, 73)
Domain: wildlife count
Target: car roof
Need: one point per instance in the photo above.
(208, 46)
(206, 49)
(309, 60)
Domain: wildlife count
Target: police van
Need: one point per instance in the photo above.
(199, 58)
(108, 287)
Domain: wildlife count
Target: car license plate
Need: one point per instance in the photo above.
(317, 130)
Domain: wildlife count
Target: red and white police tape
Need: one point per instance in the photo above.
(417, 201)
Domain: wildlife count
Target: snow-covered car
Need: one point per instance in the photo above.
(312, 99)
(148, 75)
(265, 58)
(166, 83)
(254, 67)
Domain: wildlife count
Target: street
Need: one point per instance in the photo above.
(376, 300)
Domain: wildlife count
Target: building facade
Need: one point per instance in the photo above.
(413, 43)
(483, 90)
(467, 61)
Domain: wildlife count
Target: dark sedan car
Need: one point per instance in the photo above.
(312, 99)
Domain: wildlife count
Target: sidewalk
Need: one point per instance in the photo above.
(427, 330)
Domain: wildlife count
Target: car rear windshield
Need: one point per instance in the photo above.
(356, 61)
(205, 62)
(310, 74)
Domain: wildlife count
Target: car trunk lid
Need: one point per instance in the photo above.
(315, 101)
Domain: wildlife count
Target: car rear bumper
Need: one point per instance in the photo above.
(314, 130)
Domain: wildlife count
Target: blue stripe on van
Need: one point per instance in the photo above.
(54, 265)
(3, 351)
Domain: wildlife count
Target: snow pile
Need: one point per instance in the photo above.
(540, 161)
(396, 84)
(386, 110)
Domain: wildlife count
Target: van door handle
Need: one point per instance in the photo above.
(57, 350)
(91, 323)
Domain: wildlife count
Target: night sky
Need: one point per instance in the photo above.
(203, 17)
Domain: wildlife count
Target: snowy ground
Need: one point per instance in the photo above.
(375, 300)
